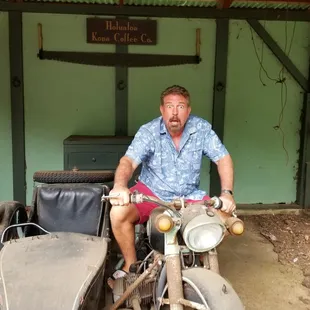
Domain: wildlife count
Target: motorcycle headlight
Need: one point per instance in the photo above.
(203, 233)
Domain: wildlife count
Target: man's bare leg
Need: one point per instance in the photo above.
(123, 227)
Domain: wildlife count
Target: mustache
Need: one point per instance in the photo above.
(174, 119)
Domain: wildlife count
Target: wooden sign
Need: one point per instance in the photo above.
(121, 31)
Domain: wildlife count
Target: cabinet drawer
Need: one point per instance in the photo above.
(93, 160)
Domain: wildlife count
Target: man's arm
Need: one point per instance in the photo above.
(226, 172)
(124, 171)
(123, 174)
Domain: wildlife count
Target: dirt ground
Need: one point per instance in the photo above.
(290, 236)
(269, 264)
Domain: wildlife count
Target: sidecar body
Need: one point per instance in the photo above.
(57, 259)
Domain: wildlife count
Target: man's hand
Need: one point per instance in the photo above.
(121, 194)
(229, 205)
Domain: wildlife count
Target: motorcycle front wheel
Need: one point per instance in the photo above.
(209, 288)
(202, 285)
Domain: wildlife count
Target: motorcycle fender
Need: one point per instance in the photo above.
(218, 293)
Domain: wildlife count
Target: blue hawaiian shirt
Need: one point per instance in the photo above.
(172, 173)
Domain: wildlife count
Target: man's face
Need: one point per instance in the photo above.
(175, 112)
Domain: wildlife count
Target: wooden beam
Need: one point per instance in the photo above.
(121, 95)
(303, 176)
(17, 106)
(219, 94)
(224, 4)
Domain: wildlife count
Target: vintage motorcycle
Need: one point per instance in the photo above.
(56, 256)
(181, 268)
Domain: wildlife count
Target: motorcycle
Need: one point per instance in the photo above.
(181, 268)
(59, 260)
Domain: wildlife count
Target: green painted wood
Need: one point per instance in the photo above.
(17, 106)
(219, 93)
(303, 184)
(121, 95)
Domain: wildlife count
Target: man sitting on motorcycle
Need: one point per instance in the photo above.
(170, 149)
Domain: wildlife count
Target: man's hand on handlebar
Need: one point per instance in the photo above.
(119, 196)
(228, 203)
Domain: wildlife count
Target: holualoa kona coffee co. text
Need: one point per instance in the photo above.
(112, 31)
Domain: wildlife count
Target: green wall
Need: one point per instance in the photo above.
(63, 99)
(6, 183)
(264, 172)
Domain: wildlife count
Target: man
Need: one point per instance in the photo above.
(170, 149)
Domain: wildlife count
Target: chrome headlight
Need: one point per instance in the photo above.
(203, 233)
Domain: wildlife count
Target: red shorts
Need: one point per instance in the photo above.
(145, 208)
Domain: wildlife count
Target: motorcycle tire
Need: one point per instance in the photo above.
(69, 176)
(218, 293)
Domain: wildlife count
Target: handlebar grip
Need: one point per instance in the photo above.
(235, 226)
(217, 203)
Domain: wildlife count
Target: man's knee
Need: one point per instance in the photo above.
(123, 214)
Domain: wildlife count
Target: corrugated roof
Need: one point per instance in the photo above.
(270, 5)
(262, 4)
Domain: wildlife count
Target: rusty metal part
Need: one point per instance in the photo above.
(175, 203)
(134, 285)
(205, 261)
(192, 304)
(190, 259)
(174, 279)
(135, 304)
(213, 261)
(134, 297)
(143, 294)
(118, 59)
(187, 303)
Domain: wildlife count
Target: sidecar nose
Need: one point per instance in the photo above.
(51, 272)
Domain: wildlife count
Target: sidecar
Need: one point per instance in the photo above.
(54, 255)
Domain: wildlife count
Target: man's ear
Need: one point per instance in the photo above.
(161, 108)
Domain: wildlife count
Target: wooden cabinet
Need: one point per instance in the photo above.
(94, 152)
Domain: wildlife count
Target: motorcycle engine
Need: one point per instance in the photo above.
(143, 292)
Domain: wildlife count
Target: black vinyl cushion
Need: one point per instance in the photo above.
(70, 207)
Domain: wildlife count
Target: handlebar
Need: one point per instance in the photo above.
(233, 224)
(176, 204)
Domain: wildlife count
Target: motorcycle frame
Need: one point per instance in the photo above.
(174, 270)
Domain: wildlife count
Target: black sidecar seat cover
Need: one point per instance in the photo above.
(70, 207)
(51, 272)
